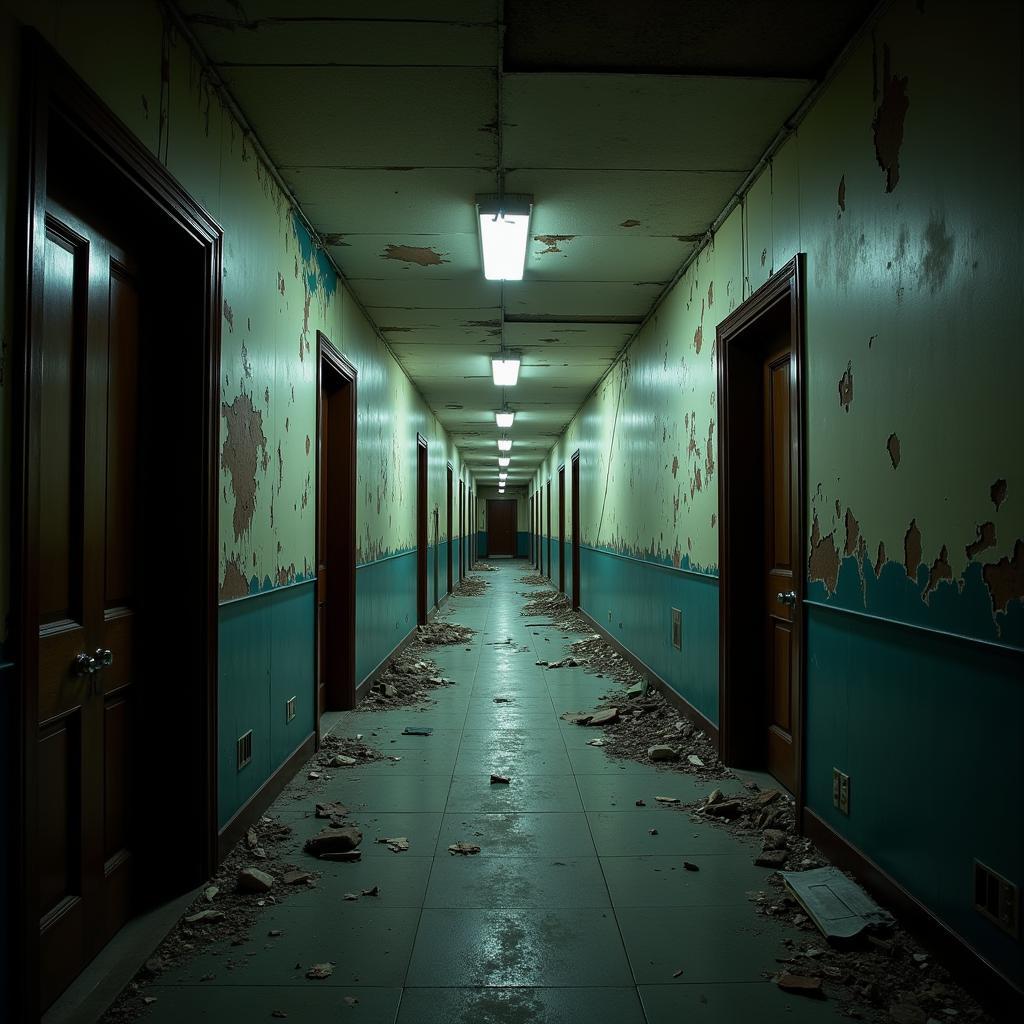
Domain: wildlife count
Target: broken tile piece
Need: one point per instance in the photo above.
(320, 971)
(799, 984)
(463, 848)
(500, 780)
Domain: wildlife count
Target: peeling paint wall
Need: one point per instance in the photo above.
(902, 186)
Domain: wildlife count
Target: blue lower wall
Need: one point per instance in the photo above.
(522, 544)
(641, 595)
(929, 730)
(385, 607)
(266, 656)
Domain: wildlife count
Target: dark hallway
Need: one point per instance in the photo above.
(583, 432)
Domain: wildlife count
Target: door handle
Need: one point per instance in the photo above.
(788, 598)
(103, 657)
(84, 665)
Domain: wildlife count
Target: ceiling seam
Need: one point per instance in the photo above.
(228, 99)
(788, 128)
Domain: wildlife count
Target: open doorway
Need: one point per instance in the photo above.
(450, 538)
(561, 528)
(548, 530)
(421, 529)
(335, 531)
(574, 486)
(122, 268)
(761, 502)
(462, 532)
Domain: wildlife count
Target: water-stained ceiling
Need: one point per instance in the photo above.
(631, 125)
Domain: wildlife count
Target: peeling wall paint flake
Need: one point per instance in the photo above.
(823, 561)
(893, 447)
(997, 492)
(422, 256)
(986, 539)
(1005, 578)
(887, 125)
(912, 549)
(243, 439)
(846, 387)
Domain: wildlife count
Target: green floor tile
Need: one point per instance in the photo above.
(709, 944)
(395, 793)
(627, 834)
(555, 834)
(520, 1006)
(475, 792)
(401, 879)
(760, 1001)
(620, 792)
(514, 759)
(509, 883)
(721, 879)
(439, 760)
(518, 947)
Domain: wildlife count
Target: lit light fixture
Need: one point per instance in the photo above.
(504, 223)
(503, 475)
(504, 418)
(505, 369)
(504, 444)
(503, 461)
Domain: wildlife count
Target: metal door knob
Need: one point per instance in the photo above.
(84, 664)
(789, 598)
(103, 657)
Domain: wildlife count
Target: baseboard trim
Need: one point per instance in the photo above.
(251, 810)
(679, 702)
(990, 986)
(363, 688)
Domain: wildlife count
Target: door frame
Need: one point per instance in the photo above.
(422, 533)
(343, 695)
(548, 535)
(561, 528)
(53, 95)
(740, 329)
(574, 518)
(462, 523)
(451, 523)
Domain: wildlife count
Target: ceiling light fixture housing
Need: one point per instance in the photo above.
(505, 369)
(504, 223)
(504, 418)
(503, 461)
(504, 444)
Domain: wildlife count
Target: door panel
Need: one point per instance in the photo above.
(779, 581)
(88, 386)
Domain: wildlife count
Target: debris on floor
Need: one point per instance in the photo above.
(484, 567)
(466, 849)
(534, 579)
(500, 780)
(397, 845)
(839, 907)
(471, 587)
(320, 971)
(330, 842)
(418, 730)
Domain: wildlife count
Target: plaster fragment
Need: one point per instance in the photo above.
(846, 387)
(422, 256)
(823, 562)
(709, 459)
(839, 509)
(246, 365)
(698, 338)
(939, 571)
(280, 282)
(1005, 578)
(852, 533)
(880, 560)
(551, 241)
(234, 585)
(912, 549)
(711, 293)
(986, 539)
(243, 438)
(893, 446)
(630, 224)
(997, 492)
(888, 123)
(336, 239)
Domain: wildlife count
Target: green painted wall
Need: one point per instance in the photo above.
(912, 231)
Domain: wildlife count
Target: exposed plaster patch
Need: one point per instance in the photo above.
(823, 562)
(280, 282)
(852, 533)
(841, 196)
(997, 492)
(675, 465)
(939, 571)
(839, 509)
(630, 224)
(246, 365)
(764, 256)
(307, 444)
(422, 256)
(912, 549)
(986, 539)
(893, 447)
(235, 585)
(846, 387)
(1005, 578)
(698, 338)
(711, 296)
(709, 459)
(551, 241)
(888, 122)
(880, 560)
(244, 436)
(229, 315)
(335, 239)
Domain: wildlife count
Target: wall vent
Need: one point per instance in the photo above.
(677, 628)
(997, 898)
(244, 749)
(289, 709)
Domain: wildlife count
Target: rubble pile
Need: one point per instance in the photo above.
(406, 679)
(554, 609)
(471, 587)
(483, 567)
(440, 634)
(534, 579)
(602, 659)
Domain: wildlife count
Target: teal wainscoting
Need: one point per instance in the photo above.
(522, 544)
(640, 596)
(266, 657)
(481, 544)
(928, 729)
(385, 608)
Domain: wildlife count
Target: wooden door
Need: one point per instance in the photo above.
(421, 530)
(462, 512)
(450, 535)
(89, 682)
(575, 494)
(325, 456)
(778, 588)
(561, 528)
(501, 527)
(548, 531)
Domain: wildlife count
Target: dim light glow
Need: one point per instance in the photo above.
(504, 419)
(505, 369)
(503, 461)
(504, 233)
(504, 444)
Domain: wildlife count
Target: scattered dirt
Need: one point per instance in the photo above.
(555, 610)
(484, 567)
(534, 579)
(471, 587)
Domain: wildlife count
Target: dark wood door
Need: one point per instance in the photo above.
(548, 530)
(89, 681)
(450, 535)
(561, 528)
(778, 585)
(501, 526)
(421, 530)
(323, 534)
(575, 495)
(462, 516)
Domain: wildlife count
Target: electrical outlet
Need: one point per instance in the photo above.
(840, 791)
(289, 709)
(997, 898)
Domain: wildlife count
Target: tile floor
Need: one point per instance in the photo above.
(572, 912)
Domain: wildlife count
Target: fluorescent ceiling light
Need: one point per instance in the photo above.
(502, 475)
(503, 461)
(505, 369)
(504, 223)
(504, 444)
(504, 418)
